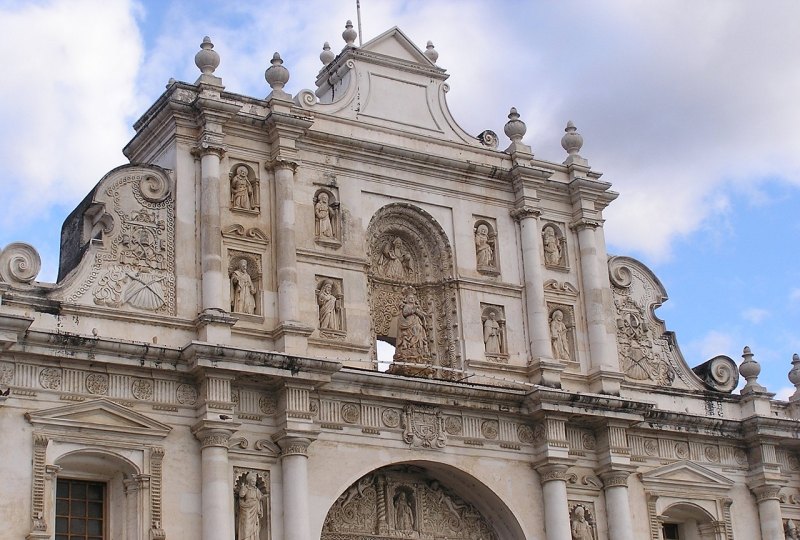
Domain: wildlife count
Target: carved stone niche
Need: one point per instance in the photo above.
(495, 339)
(330, 307)
(245, 189)
(244, 271)
(251, 504)
(561, 319)
(582, 520)
(327, 218)
(486, 245)
(554, 245)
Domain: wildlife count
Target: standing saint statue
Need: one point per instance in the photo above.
(322, 216)
(492, 336)
(581, 529)
(328, 308)
(558, 336)
(403, 514)
(552, 248)
(412, 338)
(251, 509)
(241, 190)
(243, 299)
(395, 259)
(483, 247)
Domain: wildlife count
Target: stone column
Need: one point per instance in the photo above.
(769, 511)
(556, 508)
(618, 507)
(294, 466)
(285, 243)
(217, 486)
(544, 369)
(213, 278)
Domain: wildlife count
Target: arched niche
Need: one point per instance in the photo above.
(422, 500)
(411, 264)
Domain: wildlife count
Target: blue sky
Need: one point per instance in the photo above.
(689, 108)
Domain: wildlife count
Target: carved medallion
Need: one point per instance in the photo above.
(97, 383)
(651, 447)
(588, 441)
(711, 453)
(453, 425)
(390, 418)
(490, 429)
(539, 433)
(351, 413)
(740, 456)
(142, 389)
(50, 378)
(682, 450)
(525, 433)
(6, 373)
(186, 394)
(268, 405)
(423, 426)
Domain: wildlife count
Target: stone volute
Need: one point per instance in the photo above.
(327, 55)
(206, 59)
(349, 35)
(750, 369)
(794, 377)
(277, 76)
(431, 53)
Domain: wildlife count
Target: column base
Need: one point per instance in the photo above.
(605, 381)
(214, 326)
(291, 337)
(545, 371)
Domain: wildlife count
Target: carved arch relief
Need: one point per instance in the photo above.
(411, 295)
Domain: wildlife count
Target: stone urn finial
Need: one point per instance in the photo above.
(515, 128)
(794, 377)
(277, 75)
(349, 35)
(750, 369)
(327, 55)
(572, 141)
(206, 59)
(431, 53)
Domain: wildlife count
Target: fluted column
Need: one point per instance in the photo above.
(556, 508)
(769, 511)
(294, 466)
(618, 507)
(217, 486)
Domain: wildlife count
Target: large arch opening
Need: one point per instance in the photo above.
(687, 521)
(421, 500)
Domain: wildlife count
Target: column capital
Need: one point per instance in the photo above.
(766, 492)
(524, 212)
(294, 446)
(214, 432)
(278, 164)
(615, 478)
(585, 223)
(208, 147)
(550, 472)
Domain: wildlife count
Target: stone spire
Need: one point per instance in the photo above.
(572, 141)
(207, 61)
(349, 35)
(794, 378)
(277, 76)
(327, 55)
(515, 130)
(431, 53)
(750, 369)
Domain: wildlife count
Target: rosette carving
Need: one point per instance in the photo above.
(19, 263)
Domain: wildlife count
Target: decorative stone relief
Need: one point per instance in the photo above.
(251, 504)
(327, 218)
(97, 383)
(486, 247)
(142, 389)
(50, 378)
(245, 190)
(490, 429)
(351, 413)
(240, 233)
(554, 244)
(396, 261)
(562, 331)
(19, 263)
(453, 425)
(6, 373)
(412, 345)
(403, 502)
(582, 521)
(244, 270)
(494, 332)
(525, 434)
(641, 360)
(423, 426)
(391, 417)
(330, 301)
(186, 394)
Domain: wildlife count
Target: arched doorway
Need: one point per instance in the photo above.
(687, 521)
(419, 500)
(412, 293)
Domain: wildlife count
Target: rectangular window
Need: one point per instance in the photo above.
(671, 531)
(80, 510)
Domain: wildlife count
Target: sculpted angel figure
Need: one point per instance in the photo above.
(492, 336)
(328, 308)
(552, 248)
(395, 259)
(483, 247)
(412, 339)
(244, 293)
(251, 509)
(322, 214)
(241, 189)
(558, 335)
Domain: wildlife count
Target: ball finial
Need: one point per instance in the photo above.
(572, 141)
(206, 59)
(277, 75)
(515, 128)
(750, 369)
(327, 55)
(349, 35)
(794, 377)
(431, 53)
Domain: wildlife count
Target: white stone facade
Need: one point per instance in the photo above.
(208, 353)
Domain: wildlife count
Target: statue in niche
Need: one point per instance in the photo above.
(483, 246)
(396, 259)
(322, 216)
(559, 336)
(492, 335)
(403, 513)
(250, 509)
(790, 531)
(581, 528)
(243, 299)
(412, 338)
(552, 246)
(329, 308)
(242, 195)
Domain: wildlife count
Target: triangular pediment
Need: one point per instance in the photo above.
(99, 416)
(395, 43)
(685, 475)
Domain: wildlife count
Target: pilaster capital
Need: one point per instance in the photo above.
(550, 472)
(214, 433)
(281, 164)
(585, 223)
(207, 147)
(766, 492)
(524, 212)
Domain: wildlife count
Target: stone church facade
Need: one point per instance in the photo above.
(207, 364)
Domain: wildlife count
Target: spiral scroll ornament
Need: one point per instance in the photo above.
(619, 274)
(19, 263)
(154, 189)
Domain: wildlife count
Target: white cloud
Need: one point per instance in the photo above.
(755, 315)
(712, 344)
(784, 393)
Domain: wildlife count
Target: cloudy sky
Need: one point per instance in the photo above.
(689, 108)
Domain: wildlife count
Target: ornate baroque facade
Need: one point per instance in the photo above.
(207, 364)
